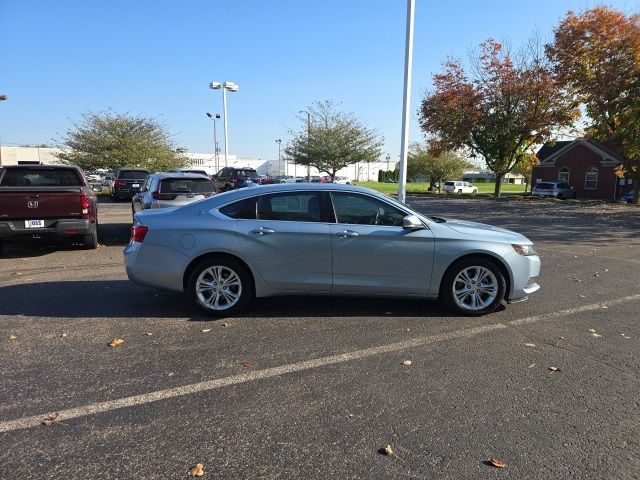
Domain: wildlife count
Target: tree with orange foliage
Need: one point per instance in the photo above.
(596, 55)
(503, 110)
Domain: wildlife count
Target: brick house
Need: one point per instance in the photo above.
(586, 165)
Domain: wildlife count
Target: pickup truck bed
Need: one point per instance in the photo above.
(46, 201)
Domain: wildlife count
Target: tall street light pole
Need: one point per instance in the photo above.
(2, 99)
(279, 142)
(408, 61)
(308, 140)
(232, 87)
(215, 140)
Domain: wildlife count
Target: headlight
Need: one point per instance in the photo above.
(524, 250)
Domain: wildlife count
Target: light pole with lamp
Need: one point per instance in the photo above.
(216, 150)
(308, 140)
(279, 142)
(232, 87)
(2, 99)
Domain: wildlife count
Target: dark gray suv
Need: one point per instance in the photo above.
(230, 178)
(557, 190)
(127, 182)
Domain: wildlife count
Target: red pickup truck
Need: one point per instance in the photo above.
(47, 201)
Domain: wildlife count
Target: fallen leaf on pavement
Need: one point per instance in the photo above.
(577, 279)
(116, 342)
(64, 335)
(47, 422)
(388, 451)
(12, 337)
(529, 344)
(596, 335)
(592, 330)
(197, 471)
(554, 369)
(148, 334)
(497, 463)
(532, 365)
(205, 330)
(225, 324)
(247, 364)
(407, 362)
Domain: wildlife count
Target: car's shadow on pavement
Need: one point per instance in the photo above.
(123, 299)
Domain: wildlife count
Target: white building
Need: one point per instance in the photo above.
(206, 161)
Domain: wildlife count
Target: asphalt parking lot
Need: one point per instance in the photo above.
(302, 388)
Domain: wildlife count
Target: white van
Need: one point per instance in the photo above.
(459, 187)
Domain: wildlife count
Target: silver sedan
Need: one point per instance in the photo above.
(325, 239)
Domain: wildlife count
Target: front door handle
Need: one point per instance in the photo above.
(347, 234)
(263, 231)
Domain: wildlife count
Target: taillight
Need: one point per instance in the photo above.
(138, 232)
(84, 203)
(119, 183)
(163, 196)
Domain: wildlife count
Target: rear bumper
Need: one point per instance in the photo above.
(56, 228)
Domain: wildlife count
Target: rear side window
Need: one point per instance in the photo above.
(186, 185)
(546, 186)
(23, 177)
(133, 174)
(244, 209)
(449, 184)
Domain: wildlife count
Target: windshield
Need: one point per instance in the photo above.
(247, 173)
(133, 174)
(186, 185)
(38, 177)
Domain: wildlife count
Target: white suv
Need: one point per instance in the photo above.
(459, 187)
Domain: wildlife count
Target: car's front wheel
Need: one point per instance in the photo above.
(473, 286)
(221, 286)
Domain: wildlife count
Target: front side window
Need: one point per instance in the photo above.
(563, 175)
(591, 179)
(291, 206)
(360, 209)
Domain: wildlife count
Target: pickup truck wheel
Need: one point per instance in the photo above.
(1, 246)
(90, 241)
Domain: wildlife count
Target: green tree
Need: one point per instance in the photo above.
(109, 140)
(597, 56)
(503, 110)
(332, 140)
(446, 165)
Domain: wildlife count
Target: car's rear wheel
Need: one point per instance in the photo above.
(473, 286)
(460, 191)
(474, 191)
(221, 286)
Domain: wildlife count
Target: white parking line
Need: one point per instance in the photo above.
(588, 254)
(92, 409)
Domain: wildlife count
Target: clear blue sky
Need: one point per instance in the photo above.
(156, 58)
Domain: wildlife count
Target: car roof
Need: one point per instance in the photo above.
(241, 193)
(165, 175)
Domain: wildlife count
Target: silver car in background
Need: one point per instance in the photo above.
(173, 189)
(559, 190)
(325, 239)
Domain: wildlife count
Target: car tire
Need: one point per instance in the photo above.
(207, 287)
(463, 294)
(90, 241)
(474, 191)
(460, 192)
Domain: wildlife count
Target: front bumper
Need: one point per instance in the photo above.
(525, 271)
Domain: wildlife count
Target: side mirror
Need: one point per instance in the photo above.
(411, 222)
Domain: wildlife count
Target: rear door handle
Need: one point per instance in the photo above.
(263, 231)
(347, 233)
